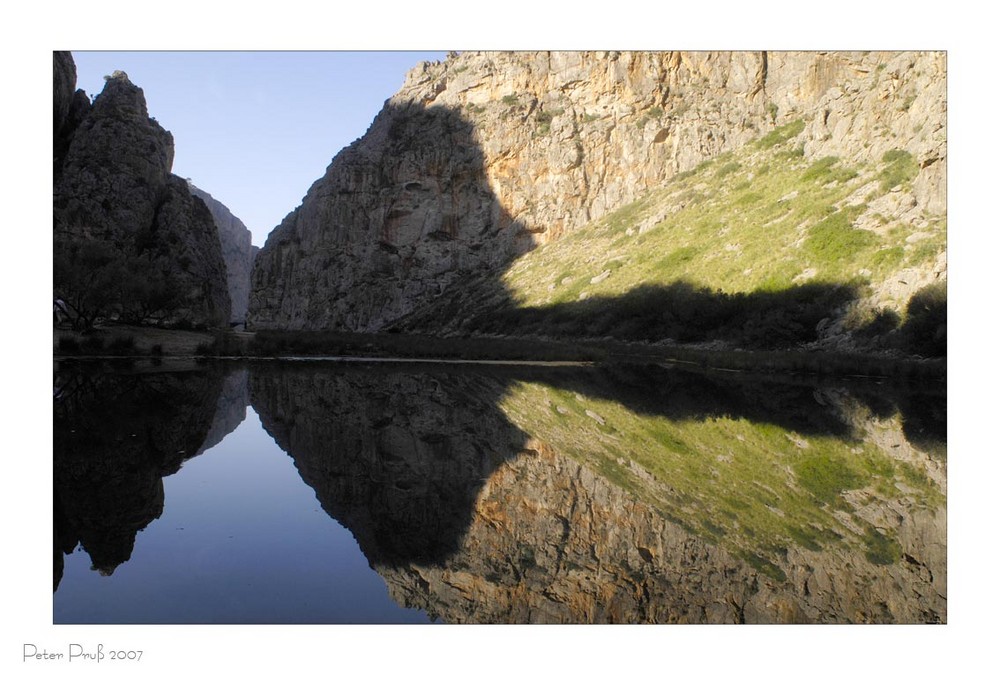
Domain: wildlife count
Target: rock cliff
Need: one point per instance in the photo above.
(485, 156)
(130, 241)
(237, 252)
(63, 86)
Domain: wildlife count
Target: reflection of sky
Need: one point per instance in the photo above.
(241, 539)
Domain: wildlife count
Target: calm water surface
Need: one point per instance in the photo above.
(388, 493)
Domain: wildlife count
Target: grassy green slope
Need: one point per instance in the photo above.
(763, 218)
(754, 248)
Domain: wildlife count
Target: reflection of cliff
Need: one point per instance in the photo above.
(593, 524)
(553, 541)
(230, 410)
(116, 436)
(397, 457)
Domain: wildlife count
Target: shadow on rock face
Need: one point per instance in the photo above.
(401, 215)
(406, 232)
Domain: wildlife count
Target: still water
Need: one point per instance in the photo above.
(395, 493)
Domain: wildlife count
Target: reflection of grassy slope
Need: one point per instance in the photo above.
(755, 488)
(754, 219)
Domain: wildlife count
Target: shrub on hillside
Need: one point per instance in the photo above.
(925, 331)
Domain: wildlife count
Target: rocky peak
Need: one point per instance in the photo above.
(129, 240)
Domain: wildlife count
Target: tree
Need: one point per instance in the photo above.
(147, 290)
(87, 276)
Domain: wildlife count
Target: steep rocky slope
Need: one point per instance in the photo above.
(759, 248)
(486, 156)
(237, 251)
(130, 241)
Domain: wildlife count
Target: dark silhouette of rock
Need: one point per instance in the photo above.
(230, 410)
(129, 240)
(115, 437)
(398, 459)
(68, 109)
(63, 87)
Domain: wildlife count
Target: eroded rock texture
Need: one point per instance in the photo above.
(237, 252)
(486, 155)
(129, 240)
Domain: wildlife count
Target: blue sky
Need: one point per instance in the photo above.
(256, 129)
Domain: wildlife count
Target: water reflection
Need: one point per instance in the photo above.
(565, 495)
(397, 457)
(116, 435)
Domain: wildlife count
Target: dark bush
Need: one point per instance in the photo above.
(684, 313)
(925, 331)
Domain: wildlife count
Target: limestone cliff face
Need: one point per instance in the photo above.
(237, 252)
(129, 239)
(482, 157)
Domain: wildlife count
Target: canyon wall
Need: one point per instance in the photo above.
(485, 156)
(130, 242)
(237, 252)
